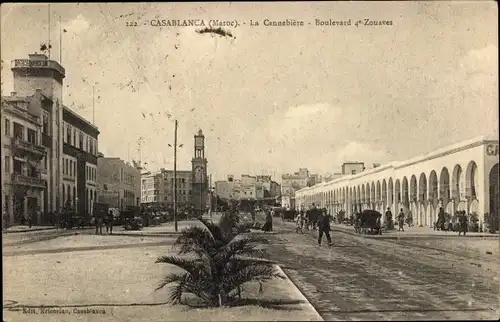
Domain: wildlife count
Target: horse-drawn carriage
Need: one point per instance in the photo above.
(368, 222)
(289, 215)
(131, 218)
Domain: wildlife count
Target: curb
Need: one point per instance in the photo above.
(411, 236)
(301, 295)
(39, 239)
(81, 249)
(148, 235)
(27, 230)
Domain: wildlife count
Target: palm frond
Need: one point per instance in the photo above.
(212, 228)
(171, 278)
(243, 246)
(194, 239)
(195, 267)
(247, 274)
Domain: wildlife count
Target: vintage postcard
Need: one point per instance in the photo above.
(258, 161)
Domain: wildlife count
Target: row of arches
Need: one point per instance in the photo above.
(419, 194)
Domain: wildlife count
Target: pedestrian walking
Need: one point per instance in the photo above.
(463, 222)
(300, 223)
(109, 223)
(268, 225)
(409, 219)
(441, 219)
(38, 215)
(324, 228)
(29, 218)
(401, 220)
(98, 224)
(388, 219)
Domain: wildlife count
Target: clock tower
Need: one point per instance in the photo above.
(199, 181)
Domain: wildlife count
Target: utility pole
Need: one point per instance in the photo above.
(175, 176)
(210, 189)
(48, 45)
(60, 41)
(93, 104)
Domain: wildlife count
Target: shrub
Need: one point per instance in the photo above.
(223, 262)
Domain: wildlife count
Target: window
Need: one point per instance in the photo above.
(46, 122)
(7, 165)
(32, 136)
(74, 138)
(80, 137)
(68, 137)
(18, 131)
(74, 168)
(7, 127)
(45, 162)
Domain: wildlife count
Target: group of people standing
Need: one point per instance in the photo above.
(463, 222)
(315, 218)
(311, 219)
(104, 221)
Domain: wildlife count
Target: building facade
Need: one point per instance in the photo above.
(118, 183)
(463, 176)
(79, 162)
(157, 188)
(67, 169)
(22, 159)
(247, 188)
(290, 183)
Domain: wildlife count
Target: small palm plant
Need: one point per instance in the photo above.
(223, 261)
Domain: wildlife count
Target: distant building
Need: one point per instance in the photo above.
(224, 189)
(352, 167)
(248, 187)
(293, 182)
(118, 183)
(157, 188)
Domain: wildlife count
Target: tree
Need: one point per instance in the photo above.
(223, 262)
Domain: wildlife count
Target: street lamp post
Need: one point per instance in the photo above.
(175, 174)
(93, 102)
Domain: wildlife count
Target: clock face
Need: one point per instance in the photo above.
(198, 141)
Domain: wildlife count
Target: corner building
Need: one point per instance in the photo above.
(462, 176)
(70, 143)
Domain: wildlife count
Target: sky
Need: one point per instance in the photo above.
(271, 99)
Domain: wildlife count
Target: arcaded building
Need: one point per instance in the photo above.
(463, 176)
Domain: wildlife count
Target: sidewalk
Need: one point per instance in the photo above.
(411, 232)
(164, 229)
(24, 229)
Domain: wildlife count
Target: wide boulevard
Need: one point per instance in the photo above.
(380, 279)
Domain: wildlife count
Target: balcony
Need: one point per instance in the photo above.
(22, 180)
(25, 146)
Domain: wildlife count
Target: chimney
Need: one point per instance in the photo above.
(13, 93)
